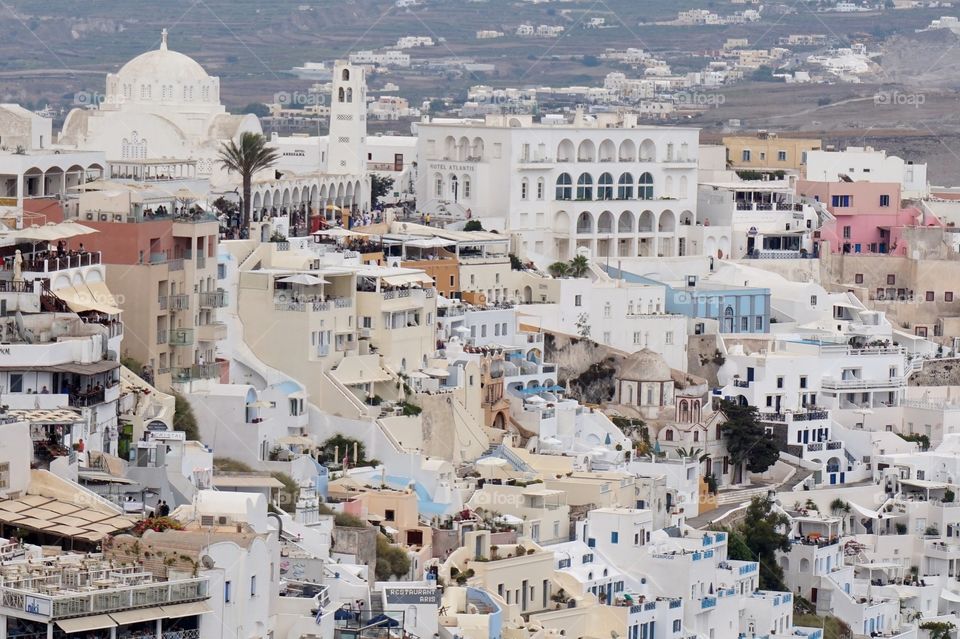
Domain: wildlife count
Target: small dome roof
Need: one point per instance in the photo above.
(645, 366)
(163, 66)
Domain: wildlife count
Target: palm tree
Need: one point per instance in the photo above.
(559, 269)
(579, 266)
(693, 453)
(246, 158)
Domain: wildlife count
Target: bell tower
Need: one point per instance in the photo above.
(348, 121)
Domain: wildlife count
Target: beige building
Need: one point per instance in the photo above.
(544, 511)
(600, 489)
(768, 151)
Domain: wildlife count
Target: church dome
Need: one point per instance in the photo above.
(162, 66)
(645, 366)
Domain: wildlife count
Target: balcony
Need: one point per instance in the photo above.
(179, 302)
(179, 374)
(74, 604)
(212, 332)
(832, 383)
(86, 399)
(181, 337)
(53, 264)
(707, 603)
(214, 299)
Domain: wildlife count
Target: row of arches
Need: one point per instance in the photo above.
(452, 186)
(624, 187)
(626, 222)
(324, 195)
(54, 180)
(626, 151)
(462, 149)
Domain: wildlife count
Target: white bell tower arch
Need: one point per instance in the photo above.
(348, 121)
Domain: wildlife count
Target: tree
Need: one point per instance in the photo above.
(559, 269)
(938, 629)
(763, 74)
(392, 561)
(764, 533)
(246, 158)
(258, 109)
(737, 548)
(380, 186)
(579, 266)
(692, 453)
(184, 419)
(746, 439)
(345, 447)
(473, 225)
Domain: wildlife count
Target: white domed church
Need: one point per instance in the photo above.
(161, 105)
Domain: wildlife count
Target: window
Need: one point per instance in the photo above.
(16, 383)
(524, 189)
(858, 278)
(389, 515)
(614, 537)
(625, 187)
(745, 155)
(846, 232)
(841, 201)
(438, 186)
(637, 337)
(781, 156)
(253, 586)
(645, 190)
(668, 338)
(540, 189)
(605, 187)
(4, 475)
(227, 591)
(930, 296)
(676, 625)
(769, 400)
(884, 200)
(948, 296)
(578, 300)
(466, 186)
(564, 187)
(585, 187)
(780, 381)
(744, 323)
(813, 300)
(891, 280)
(758, 322)
(803, 381)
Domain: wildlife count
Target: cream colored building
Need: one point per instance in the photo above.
(768, 151)
(544, 511)
(599, 488)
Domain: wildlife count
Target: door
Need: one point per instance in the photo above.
(813, 595)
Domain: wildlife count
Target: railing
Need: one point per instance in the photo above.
(708, 602)
(741, 383)
(106, 600)
(834, 445)
(814, 447)
(50, 264)
(85, 399)
(179, 302)
(197, 371)
(10, 286)
(213, 299)
(162, 336)
(842, 384)
(181, 337)
(175, 265)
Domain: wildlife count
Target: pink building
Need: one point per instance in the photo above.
(868, 216)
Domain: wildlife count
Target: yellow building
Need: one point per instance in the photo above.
(767, 150)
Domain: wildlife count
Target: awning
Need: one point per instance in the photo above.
(436, 372)
(86, 624)
(93, 368)
(406, 279)
(81, 299)
(136, 616)
(863, 511)
(102, 294)
(186, 610)
(949, 596)
(102, 477)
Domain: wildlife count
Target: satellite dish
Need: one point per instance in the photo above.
(207, 562)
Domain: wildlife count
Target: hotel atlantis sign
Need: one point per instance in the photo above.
(454, 166)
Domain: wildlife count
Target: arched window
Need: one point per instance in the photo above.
(349, 95)
(668, 436)
(625, 187)
(340, 94)
(564, 187)
(585, 187)
(645, 189)
(605, 187)
(346, 74)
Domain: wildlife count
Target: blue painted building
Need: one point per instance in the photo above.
(736, 309)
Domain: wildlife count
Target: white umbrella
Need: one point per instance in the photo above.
(305, 279)
(536, 399)
(490, 461)
(339, 232)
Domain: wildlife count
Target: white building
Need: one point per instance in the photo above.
(865, 164)
(603, 183)
(160, 105)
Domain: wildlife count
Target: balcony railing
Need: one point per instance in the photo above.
(52, 264)
(9, 286)
(181, 337)
(197, 371)
(213, 299)
(87, 398)
(107, 600)
(179, 302)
